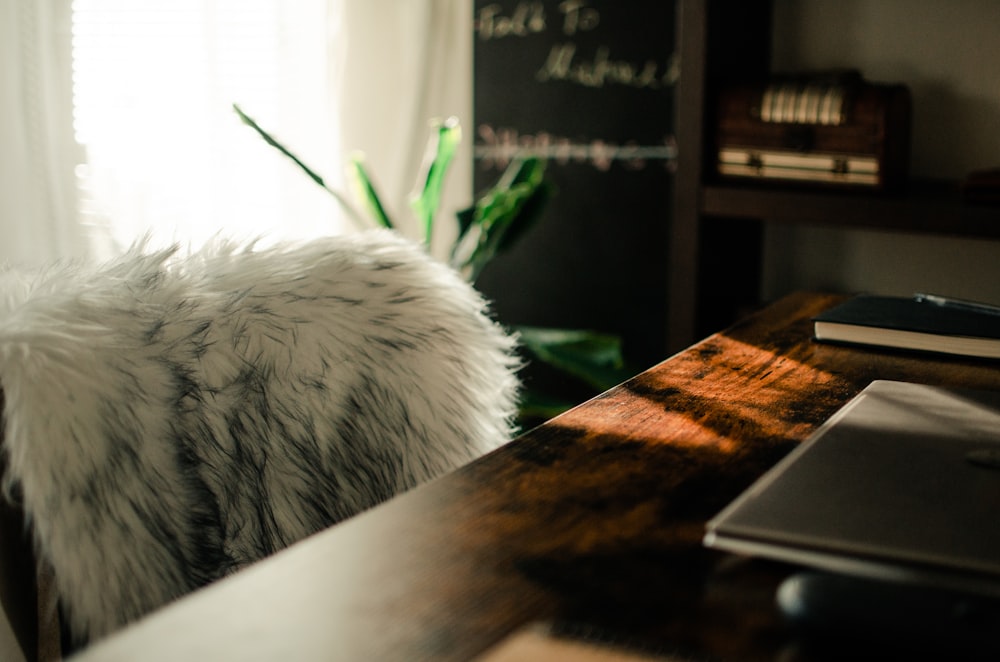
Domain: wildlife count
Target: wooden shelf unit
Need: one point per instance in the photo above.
(720, 41)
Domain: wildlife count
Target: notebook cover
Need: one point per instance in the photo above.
(899, 484)
(908, 314)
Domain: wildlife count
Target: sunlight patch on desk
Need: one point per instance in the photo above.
(692, 414)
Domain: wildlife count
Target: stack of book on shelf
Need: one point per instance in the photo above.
(923, 322)
(828, 128)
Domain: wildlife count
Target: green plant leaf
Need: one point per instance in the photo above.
(364, 188)
(441, 150)
(500, 215)
(593, 357)
(532, 207)
(352, 213)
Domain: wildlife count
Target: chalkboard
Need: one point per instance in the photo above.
(588, 85)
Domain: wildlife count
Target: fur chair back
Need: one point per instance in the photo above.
(170, 419)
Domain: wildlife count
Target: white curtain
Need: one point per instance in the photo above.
(141, 139)
(38, 220)
(402, 64)
(166, 155)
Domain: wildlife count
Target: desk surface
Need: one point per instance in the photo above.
(595, 517)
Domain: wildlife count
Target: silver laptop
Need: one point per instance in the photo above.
(902, 483)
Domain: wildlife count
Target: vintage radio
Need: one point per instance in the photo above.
(832, 128)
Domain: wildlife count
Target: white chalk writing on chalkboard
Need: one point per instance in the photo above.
(500, 146)
(601, 70)
(530, 18)
(565, 61)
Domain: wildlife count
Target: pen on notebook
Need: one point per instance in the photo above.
(961, 304)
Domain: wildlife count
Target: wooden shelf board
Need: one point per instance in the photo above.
(927, 206)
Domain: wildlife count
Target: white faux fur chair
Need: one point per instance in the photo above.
(170, 419)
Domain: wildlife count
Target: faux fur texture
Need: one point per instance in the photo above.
(170, 419)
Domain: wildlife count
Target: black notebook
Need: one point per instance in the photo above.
(902, 484)
(923, 323)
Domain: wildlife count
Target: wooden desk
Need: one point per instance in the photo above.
(595, 517)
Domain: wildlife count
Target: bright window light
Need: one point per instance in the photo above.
(153, 86)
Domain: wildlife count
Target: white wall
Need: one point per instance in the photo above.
(949, 55)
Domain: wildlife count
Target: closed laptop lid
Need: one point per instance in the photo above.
(902, 483)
